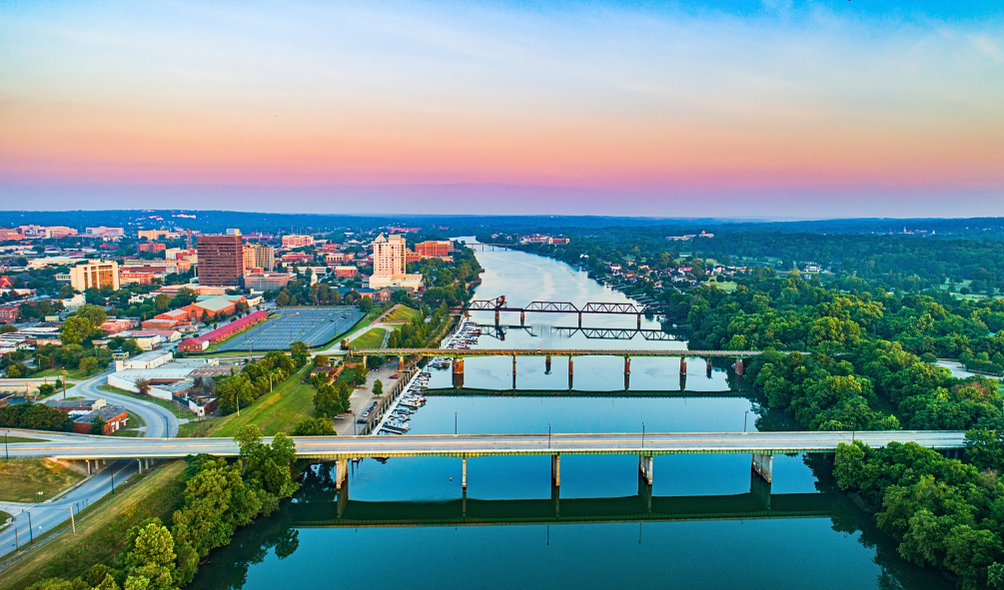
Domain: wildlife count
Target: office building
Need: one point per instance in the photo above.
(258, 256)
(221, 260)
(434, 248)
(95, 275)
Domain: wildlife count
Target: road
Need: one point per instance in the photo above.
(465, 352)
(79, 446)
(46, 515)
(154, 416)
(160, 423)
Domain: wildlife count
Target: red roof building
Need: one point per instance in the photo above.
(202, 342)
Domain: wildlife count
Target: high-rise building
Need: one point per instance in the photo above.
(95, 275)
(221, 260)
(258, 256)
(389, 260)
(388, 255)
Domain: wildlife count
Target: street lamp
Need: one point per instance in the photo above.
(6, 449)
(643, 435)
(549, 435)
(745, 416)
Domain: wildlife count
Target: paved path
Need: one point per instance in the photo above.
(160, 422)
(79, 446)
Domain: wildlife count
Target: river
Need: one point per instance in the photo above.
(704, 524)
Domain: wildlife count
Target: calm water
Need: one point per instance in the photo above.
(705, 523)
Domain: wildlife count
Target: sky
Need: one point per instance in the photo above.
(776, 109)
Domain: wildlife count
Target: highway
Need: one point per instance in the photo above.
(79, 446)
(468, 352)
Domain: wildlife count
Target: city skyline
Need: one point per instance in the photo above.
(780, 110)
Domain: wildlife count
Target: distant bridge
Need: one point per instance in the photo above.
(499, 306)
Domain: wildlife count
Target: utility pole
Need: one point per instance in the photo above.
(31, 535)
(549, 435)
(73, 522)
(6, 449)
(64, 384)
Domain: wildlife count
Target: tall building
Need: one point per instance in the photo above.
(389, 258)
(96, 275)
(258, 256)
(388, 255)
(221, 260)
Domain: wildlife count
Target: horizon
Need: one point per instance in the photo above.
(819, 110)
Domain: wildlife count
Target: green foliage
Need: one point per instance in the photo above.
(300, 353)
(35, 417)
(88, 364)
(330, 399)
(377, 387)
(149, 556)
(314, 427)
(75, 330)
(94, 313)
(267, 468)
(945, 514)
(98, 426)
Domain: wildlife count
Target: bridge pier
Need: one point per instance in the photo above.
(639, 321)
(739, 367)
(556, 470)
(343, 499)
(139, 463)
(556, 499)
(580, 319)
(571, 372)
(708, 366)
(88, 461)
(522, 318)
(496, 318)
(683, 365)
(645, 463)
(760, 489)
(400, 363)
(763, 465)
(645, 492)
(458, 372)
(547, 365)
(627, 366)
(341, 473)
(463, 478)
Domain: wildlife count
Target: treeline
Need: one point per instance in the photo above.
(35, 417)
(219, 498)
(945, 513)
(448, 282)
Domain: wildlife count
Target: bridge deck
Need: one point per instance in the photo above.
(472, 352)
(79, 446)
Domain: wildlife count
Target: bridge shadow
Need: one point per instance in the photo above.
(334, 509)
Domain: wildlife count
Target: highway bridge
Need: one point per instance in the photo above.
(762, 445)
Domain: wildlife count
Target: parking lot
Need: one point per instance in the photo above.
(313, 326)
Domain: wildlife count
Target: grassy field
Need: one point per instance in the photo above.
(71, 374)
(403, 313)
(279, 411)
(372, 339)
(20, 439)
(22, 479)
(101, 529)
(169, 406)
(3, 518)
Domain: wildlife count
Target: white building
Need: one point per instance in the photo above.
(95, 274)
(389, 264)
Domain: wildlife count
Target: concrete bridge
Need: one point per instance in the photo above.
(459, 354)
(761, 445)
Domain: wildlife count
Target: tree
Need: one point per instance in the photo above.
(377, 387)
(282, 300)
(162, 301)
(360, 373)
(365, 304)
(88, 364)
(98, 426)
(143, 386)
(314, 427)
(267, 468)
(75, 330)
(149, 555)
(94, 313)
(299, 352)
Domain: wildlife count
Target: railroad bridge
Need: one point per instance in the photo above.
(500, 306)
